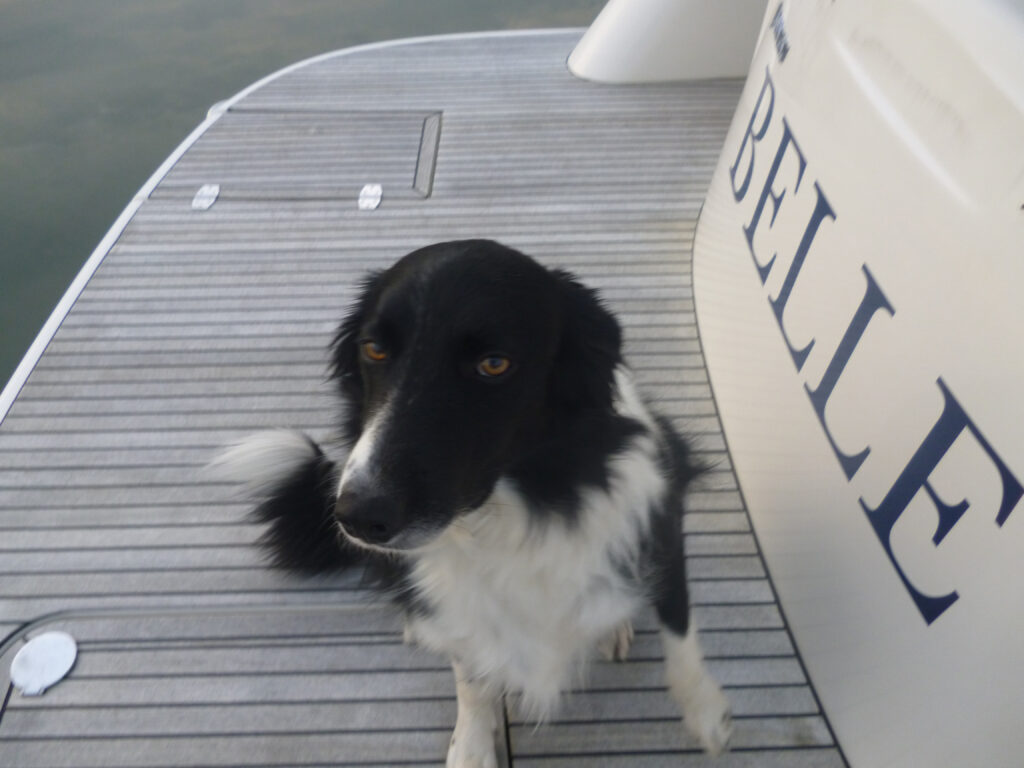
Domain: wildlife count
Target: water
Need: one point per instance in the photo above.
(94, 94)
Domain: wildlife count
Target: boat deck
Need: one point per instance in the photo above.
(199, 326)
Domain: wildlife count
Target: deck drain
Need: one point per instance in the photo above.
(44, 660)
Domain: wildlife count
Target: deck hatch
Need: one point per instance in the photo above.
(311, 155)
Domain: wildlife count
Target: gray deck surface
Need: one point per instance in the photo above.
(202, 326)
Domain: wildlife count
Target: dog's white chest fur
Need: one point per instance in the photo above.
(519, 604)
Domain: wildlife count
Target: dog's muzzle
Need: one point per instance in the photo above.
(372, 519)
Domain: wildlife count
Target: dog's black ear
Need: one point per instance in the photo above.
(344, 350)
(589, 350)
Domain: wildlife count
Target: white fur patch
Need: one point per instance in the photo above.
(473, 744)
(360, 469)
(615, 647)
(519, 603)
(706, 713)
(628, 401)
(262, 461)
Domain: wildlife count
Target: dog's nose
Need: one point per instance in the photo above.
(373, 519)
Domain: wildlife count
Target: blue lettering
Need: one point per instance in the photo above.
(951, 424)
(822, 211)
(776, 197)
(754, 136)
(781, 39)
(873, 301)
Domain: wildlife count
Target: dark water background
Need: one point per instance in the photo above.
(95, 94)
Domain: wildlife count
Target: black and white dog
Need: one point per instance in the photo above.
(504, 483)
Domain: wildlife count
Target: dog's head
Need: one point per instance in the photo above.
(463, 363)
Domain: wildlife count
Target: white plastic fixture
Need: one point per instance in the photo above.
(370, 196)
(43, 661)
(205, 197)
(644, 41)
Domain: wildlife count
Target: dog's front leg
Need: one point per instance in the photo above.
(473, 742)
(706, 712)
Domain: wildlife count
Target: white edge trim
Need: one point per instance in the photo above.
(28, 363)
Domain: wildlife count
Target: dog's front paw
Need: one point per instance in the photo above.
(472, 747)
(707, 716)
(615, 646)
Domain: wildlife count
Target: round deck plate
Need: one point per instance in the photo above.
(44, 660)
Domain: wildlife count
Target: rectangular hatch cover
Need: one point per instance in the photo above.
(310, 155)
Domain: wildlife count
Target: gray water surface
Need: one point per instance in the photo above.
(95, 94)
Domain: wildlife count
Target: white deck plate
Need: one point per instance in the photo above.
(200, 326)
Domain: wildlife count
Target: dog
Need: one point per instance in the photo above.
(505, 485)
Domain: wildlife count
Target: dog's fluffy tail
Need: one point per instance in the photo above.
(294, 484)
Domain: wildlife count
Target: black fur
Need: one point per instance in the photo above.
(549, 427)
(465, 365)
(301, 533)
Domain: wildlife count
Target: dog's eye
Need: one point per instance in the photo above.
(373, 351)
(493, 365)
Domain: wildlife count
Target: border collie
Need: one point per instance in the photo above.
(504, 484)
